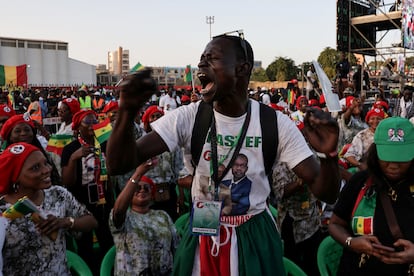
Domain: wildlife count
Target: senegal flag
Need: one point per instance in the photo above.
(187, 74)
(137, 67)
(21, 208)
(13, 75)
(103, 130)
(57, 142)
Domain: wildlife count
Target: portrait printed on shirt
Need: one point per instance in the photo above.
(240, 186)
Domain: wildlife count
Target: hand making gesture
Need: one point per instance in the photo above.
(321, 131)
(136, 89)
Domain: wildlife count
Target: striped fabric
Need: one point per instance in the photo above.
(13, 75)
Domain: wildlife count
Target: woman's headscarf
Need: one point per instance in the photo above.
(77, 118)
(12, 122)
(375, 112)
(151, 110)
(11, 163)
(73, 104)
(6, 110)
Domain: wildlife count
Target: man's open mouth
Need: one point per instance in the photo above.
(206, 83)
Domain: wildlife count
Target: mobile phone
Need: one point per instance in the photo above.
(93, 193)
(383, 247)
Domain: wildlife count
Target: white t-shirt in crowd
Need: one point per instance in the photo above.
(168, 103)
(176, 127)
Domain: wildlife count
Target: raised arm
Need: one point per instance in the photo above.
(123, 152)
(124, 199)
(321, 131)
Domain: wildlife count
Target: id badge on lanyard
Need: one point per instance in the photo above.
(205, 217)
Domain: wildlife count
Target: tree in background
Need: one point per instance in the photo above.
(328, 59)
(259, 74)
(281, 69)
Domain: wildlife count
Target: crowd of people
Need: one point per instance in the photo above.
(323, 175)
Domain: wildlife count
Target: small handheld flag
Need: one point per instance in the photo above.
(57, 142)
(187, 74)
(103, 130)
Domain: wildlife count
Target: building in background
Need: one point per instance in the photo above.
(118, 62)
(48, 62)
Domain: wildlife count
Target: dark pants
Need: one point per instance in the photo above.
(103, 234)
(304, 253)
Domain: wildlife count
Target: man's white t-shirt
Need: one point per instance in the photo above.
(176, 128)
(168, 103)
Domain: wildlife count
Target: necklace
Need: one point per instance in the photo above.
(392, 192)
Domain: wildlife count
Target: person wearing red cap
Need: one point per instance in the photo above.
(84, 174)
(185, 99)
(111, 110)
(350, 121)
(31, 246)
(151, 114)
(299, 115)
(20, 128)
(67, 108)
(5, 113)
(165, 173)
(148, 252)
(356, 154)
(381, 105)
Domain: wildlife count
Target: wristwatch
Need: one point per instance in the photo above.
(348, 241)
(72, 222)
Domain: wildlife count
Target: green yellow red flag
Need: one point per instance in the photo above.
(13, 75)
(57, 142)
(103, 130)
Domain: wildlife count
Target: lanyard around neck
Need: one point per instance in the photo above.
(214, 156)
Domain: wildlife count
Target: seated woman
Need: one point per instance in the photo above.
(356, 153)
(20, 128)
(350, 121)
(167, 170)
(28, 249)
(145, 239)
(376, 203)
(84, 174)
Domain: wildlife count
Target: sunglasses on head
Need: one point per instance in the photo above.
(242, 41)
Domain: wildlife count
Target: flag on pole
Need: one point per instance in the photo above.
(136, 68)
(57, 142)
(103, 130)
(187, 74)
(13, 75)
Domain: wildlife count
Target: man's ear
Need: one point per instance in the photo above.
(243, 69)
